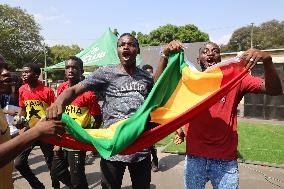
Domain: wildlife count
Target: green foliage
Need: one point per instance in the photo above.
(143, 39)
(240, 39)
(59, 53)
(133, 33)
(257, 142)
(20, 39)
(165, 34)
(268, 35)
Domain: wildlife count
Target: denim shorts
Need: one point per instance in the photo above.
(223, 174)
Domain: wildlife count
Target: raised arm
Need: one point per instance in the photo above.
(43, 129)
(173, 46)
(272, 85)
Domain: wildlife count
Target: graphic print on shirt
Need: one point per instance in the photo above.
(80, 114)
(35, 109)
(131, 96)
(133, 86)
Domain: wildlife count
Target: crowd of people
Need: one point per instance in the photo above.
(211, 144)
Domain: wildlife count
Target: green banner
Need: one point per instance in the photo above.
(101, 53)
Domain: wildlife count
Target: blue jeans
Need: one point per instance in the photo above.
(223, 174)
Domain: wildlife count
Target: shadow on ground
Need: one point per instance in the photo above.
(169, 161)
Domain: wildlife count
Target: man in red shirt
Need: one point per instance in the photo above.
(10, 148)
(81, 110)
(34, 98)
(212, 137)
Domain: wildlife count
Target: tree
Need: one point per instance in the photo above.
(268, 35)
(162, 35)
(133, 33)
(142, 38)
(190, 33)
(240, 39)
(165, 34)
(20, 39)
(59, 53)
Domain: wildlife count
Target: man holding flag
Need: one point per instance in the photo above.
(124, 88)
(212, 137)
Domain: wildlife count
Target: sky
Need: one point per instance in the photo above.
(81, 22)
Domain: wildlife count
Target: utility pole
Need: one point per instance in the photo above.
(251, 36)
(45, 72)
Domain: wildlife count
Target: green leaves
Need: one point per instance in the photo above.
(59, 53)
(20, 39)
(269, 35)
(165, 34)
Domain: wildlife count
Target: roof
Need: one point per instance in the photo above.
(151, 55)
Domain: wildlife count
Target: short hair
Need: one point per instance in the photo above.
(209, 42)
(147, 66)
(34, 67)
(132, 36)
(76, 59)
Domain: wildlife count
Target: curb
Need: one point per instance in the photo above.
(281, 166)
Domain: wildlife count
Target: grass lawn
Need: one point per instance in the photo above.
(257, 142)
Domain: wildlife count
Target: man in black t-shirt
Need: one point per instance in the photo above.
(124, 88)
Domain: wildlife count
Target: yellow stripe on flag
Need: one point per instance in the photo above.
(106, 133)
(191, 89)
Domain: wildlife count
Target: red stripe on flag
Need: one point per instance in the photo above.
(232, 77)
(154, 135)
(67, 141)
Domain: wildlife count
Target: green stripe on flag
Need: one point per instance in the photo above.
(128, 131)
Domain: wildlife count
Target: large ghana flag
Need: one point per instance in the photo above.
(179, 95)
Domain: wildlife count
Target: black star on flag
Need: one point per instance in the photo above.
(34, 112)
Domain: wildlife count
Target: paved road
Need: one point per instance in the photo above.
(170, 174)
